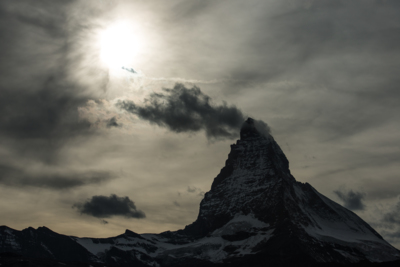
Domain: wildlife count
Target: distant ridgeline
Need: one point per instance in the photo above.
(255, 214)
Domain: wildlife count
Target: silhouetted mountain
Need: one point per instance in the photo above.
(255, 214)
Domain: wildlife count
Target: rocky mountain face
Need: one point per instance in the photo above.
(255, 214)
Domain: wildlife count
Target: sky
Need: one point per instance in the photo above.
(88, 148)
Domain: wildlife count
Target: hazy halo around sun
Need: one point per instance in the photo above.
(118, 45)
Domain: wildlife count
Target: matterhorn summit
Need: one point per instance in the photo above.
(256, 214)
(257, 204)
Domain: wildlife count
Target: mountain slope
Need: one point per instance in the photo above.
(255, 214)
(256, 181)
(42, 243)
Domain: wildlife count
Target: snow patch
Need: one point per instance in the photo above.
(93, 247)
(46, 248)
(240, 223)
(9, 239)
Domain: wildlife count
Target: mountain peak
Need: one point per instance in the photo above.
(255, 196)
(130, 233)
(252, 128)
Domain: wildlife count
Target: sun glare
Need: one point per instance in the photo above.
(118, 45)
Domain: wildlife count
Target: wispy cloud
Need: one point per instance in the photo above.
(55, 180)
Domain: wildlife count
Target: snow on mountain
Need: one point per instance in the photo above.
(256, 180)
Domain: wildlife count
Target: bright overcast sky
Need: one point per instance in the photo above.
(323, 74)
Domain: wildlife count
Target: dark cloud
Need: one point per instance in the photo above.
(113, 123)
(250, 124)
(105, 207)
(188, 110)
(393, 217)
(17, 177)
(352, 200)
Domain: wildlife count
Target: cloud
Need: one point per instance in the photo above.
(345, 69)
(188, 110)
(49, 112)
(390, 223)
(352, 200)
(176, 204)
(395, 235)
(195, 190)
(105, 207)
(17, 177)
(250, 125)
(191, 190)
(113, 123)
(393, 217)
(44, 76)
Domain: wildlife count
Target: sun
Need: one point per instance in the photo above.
(118, 45)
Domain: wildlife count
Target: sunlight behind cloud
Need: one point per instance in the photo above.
(118, 45)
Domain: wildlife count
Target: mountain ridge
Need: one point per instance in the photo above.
(255, 214)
